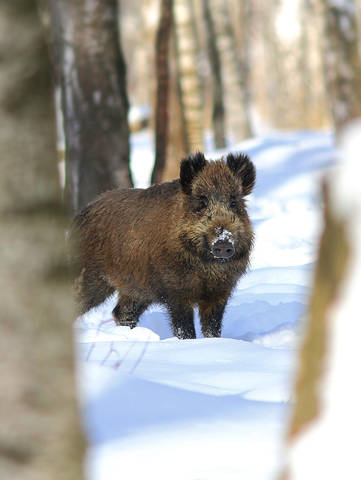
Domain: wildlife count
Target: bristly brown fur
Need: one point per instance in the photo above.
(154, 245)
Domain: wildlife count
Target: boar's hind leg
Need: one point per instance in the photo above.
(91, 290)
(182, 321)
(211, 318)
(127, 312)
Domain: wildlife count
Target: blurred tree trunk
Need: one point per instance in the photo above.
(218, 113)
(162, 95)
(246, 22)
(91, 71)
(274, 77)
(342, 63)
(312, 110)
(177, 145)
(304, 62)
(330, 272)
(40, 437)
(189, 82)
(235, 67)
(195, 24)
(325, 421)
(186, 100)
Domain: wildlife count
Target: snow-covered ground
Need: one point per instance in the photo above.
(160, 408)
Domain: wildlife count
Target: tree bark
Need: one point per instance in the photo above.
(234, 66)
(178, 145)
(91, 71)
(276, 90)
(304, 62)
(185, 93)
(189, 81)
(342, 63)
(218, 113)
(162, 95)
(244, 60)
(40, 437)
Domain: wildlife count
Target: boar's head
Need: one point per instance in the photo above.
(215, 226)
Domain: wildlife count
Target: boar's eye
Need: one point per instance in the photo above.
(232, 202)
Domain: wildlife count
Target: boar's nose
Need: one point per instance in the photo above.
(223, 249)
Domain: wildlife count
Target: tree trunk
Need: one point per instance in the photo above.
(325, 422)
(180, 130)
(304, 63)
(246, 22)
(218, 113)
(40, 437)
(276, 91)
(189, 82)
(91, 71)
(342, 61)
(178, 145)
(235, 67)
(162, 95)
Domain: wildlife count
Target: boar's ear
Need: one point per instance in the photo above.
(243, 168)
(189, 168)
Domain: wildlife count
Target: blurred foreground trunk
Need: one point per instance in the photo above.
(90, 68)
(323, 439)
(40, 437)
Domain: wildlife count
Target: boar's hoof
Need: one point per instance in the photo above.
(125, 323)
(124, 316)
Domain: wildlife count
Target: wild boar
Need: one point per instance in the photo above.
(183, 243)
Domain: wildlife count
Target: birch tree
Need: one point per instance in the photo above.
(91, 70)
(218, 110)
(162, 89)
(234, 66)
(189, 81)
(342, 63)
(274, 77)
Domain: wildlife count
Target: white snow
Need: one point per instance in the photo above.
(223, 234)
(137, 113)
(157, 407)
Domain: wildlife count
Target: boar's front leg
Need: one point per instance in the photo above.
(182, 320)
(211, 318)
(127, 312)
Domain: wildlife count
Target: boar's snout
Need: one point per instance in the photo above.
(223, 245)
(223, 249)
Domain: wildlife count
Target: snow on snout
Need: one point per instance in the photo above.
(222, 236)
